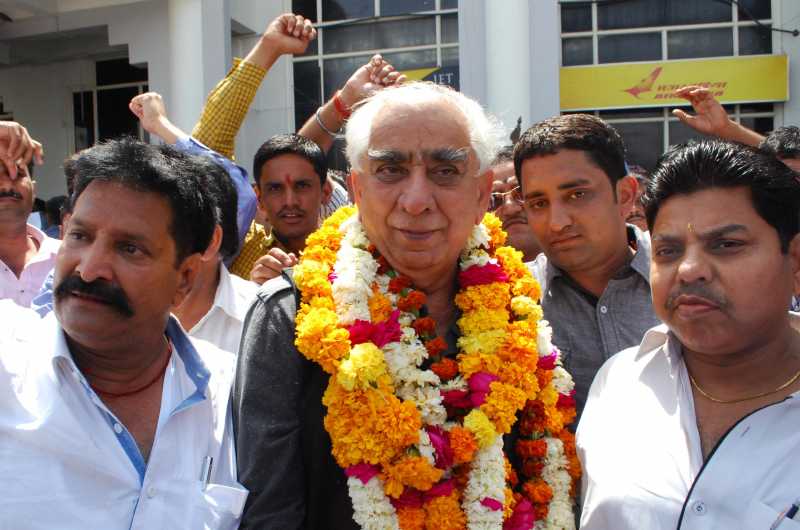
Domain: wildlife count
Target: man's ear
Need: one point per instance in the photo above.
(794, 261)
(187, 272)
(485, 181)
(626, 188)
(213, 247)
(327, 190)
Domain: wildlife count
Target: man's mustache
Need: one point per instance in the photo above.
(10, 193)
(101, 290)
(696, 289)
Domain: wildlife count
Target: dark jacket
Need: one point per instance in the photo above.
(283, 451)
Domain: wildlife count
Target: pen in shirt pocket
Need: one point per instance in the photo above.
(205, 471)
(788, 513)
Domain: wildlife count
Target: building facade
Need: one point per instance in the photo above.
(68, 67)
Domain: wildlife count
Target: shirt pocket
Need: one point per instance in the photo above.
(759, 516)
(219, 507)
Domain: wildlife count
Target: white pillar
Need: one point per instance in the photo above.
(509, 57)
(786, 14)
(199, 44)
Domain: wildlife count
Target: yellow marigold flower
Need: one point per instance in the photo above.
(320, 339)
(411, 518)
(473, 322)
(413, 471)
(480, 425)
(380, 307)
(484, 341)
(362, 368)
(527, 286)
(554, 421)
(522, 306)
(471, 363)
(445, 513)
(370, 425)
(495, 228)
(483, 297)
(509, 503)
(521, 377)
(311, 278)
(511, 260)
(549, 396)
(502, 404)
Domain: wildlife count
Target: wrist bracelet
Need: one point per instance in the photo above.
(343, 110)
(322, 125)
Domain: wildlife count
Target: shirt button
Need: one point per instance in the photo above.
(699, 508)
(151, 492)
(117, 428)
(603, 309)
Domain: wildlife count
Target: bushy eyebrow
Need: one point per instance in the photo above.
(705, 236)
(387, 155)
(446, 154)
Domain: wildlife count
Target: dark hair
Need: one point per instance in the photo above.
(70, 172)
(783, 142)
(162, 170)
(582, 132)
(53, 207)
(290, 144)
(219, 187)
(700, 165)
(504, 155)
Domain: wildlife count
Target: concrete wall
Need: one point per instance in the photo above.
(786, 13)
(40, 97)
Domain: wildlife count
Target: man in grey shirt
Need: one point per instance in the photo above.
(594, 270)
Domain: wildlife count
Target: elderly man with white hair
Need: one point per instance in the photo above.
(376, 380)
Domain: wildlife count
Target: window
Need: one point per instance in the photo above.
(411, 34)
(648, 132)
(102, 112)
(655, 30)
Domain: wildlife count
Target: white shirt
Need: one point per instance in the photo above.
(67, 462)
(23, 289)
(222, 325)
(643, 462)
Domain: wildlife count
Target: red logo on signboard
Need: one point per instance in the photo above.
(645, 85)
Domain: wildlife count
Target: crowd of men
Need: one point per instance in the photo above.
(148, 380)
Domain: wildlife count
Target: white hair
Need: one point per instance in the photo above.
(485, 131)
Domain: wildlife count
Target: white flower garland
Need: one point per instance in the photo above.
(555, 474)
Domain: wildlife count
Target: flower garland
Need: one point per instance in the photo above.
(420, 434)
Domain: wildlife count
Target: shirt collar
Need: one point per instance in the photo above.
(639, 263)
(196, 369)
(227, 298)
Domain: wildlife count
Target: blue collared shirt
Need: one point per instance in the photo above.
(69, 462)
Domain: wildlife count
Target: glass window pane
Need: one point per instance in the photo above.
(412, 60)
(306, 91)
(644, 142)
(375, 36)
(644, 13)
(758, 9)
(307, 8)
(755, 40)
(403, 7)
(749, 108)
(118, 71)
(576, 17)
(450, 56)
(449, 4)
(631, 47)
(680, 133)
(759, 125)
(83, 115)
(449, 28)
(576, 51)
(631, 113)
(113, 117)
(699, 43)
(313, 46)
(343, 9)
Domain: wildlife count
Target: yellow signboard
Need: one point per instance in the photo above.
(618, 86)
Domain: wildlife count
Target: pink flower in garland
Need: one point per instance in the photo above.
(380, 334)
(548, 362)
(410, 498)
(458, 399)
(442, 489)
(492, 504)
(479, 385)
(440, 440)
(482, 275)
(363, 472)
(523, 517)
(566, 400)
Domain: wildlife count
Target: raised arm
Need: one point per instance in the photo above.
(227, 105)
(17, 147)
(711, 119)
(373, 76)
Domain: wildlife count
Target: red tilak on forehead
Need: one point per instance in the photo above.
(287, 180)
